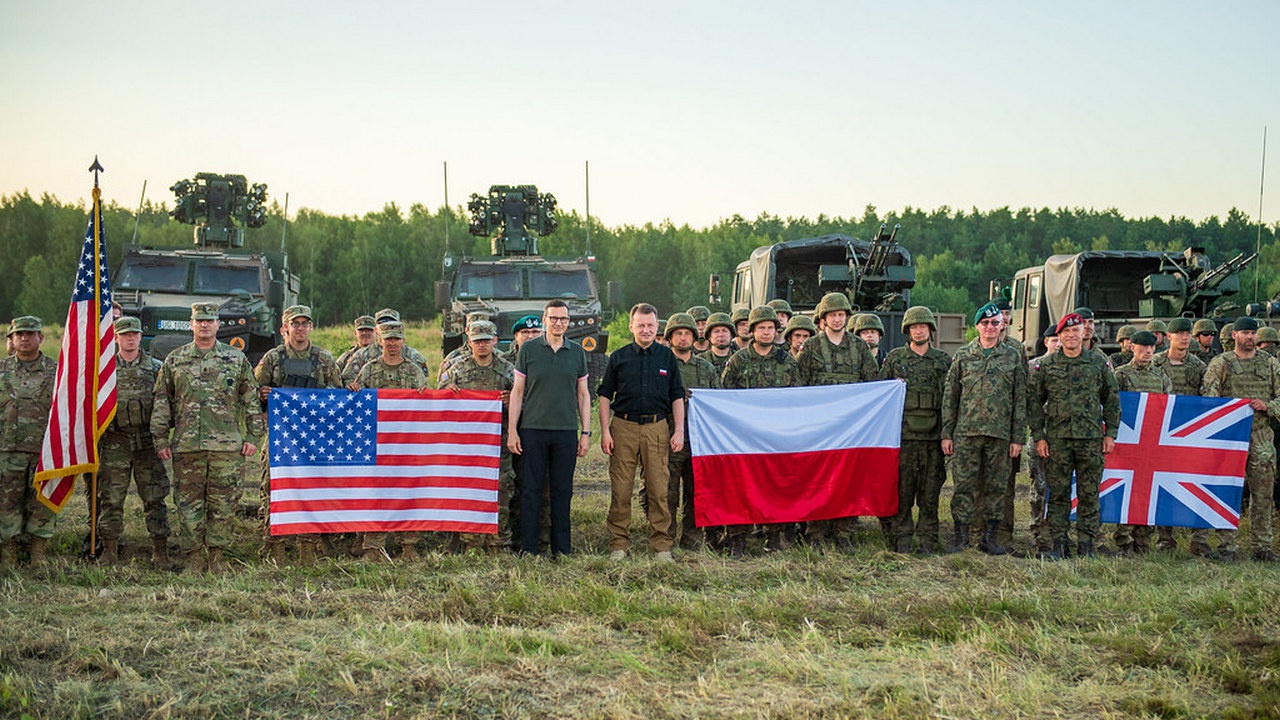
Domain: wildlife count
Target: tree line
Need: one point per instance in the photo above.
(352, 265)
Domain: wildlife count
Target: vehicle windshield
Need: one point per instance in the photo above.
(152, 273)
(227, 279)
(487, 281)
(559, 283)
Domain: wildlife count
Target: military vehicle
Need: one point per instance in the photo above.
(158, 285)
(877, 276)
(1121, 287)
(515, 280)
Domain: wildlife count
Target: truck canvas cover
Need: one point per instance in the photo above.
(1106, 298)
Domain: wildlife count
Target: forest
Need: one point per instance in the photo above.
(390, 258)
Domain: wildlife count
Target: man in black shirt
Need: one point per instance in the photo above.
(640, 388)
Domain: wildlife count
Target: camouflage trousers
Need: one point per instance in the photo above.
(502, 539)
(205, 488)
(921, 474)
(1259, 478)
(20, 510)
(680, 497)
(1083, 457)
(980, 471)
(125, 457)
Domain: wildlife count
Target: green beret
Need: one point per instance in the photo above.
(1180, 324)
(1143, 337)
(986, 311)
(1084, 313)
(1245, 323)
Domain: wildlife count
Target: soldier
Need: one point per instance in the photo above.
(1204, 330)
(799, 330)
(695, 372)
(26, 393)
(783, 309)
(366, 333)
(127, 451)
(391, 370)
(921, 472)
(484, 369)
(983, 426)
(720, 332)
(295, 363)
(742, 329)
(1035, 464)
(205, 392)
(870, 330)
(463, 350)
(762, 365)
(1140, 375)
(358, 359)
(1186, 371)
(522, 331)
(700, 314)
(1123, 336)
(1226, 338)
(832, 357)
(1246, 373)
(1268, 339)
(1075, 408)
(1158, 328)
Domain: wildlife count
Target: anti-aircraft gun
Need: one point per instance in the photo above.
(159, 285)
(517, 281)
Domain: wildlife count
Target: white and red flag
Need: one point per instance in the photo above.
(384, 460)
(84, 394)
(796, 454)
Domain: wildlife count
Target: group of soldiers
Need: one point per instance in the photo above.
(202, 411)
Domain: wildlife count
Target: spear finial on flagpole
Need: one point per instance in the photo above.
(96, 168)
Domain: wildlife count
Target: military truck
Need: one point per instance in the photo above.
(158, 285)
(515, 280)
(1121, 287)
(876, 275)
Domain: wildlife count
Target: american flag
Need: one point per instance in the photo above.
(384, 460)
(1179, 461)
(84, 395)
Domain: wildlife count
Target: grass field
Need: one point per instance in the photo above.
(795, 634)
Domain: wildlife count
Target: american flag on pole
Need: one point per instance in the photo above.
(1179, 461)
(84, 395)
(384, 460)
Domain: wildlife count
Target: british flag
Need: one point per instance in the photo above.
(1179, 461)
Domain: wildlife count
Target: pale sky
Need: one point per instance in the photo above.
(689, 111)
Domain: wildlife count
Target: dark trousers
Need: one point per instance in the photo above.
(550, 457)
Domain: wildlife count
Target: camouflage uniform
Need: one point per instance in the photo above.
(1149, 378)
(1074, 401)
(285, 367)
(1187, 378)
(499, 374)
(373, 351)
(26, 393)
(1255, 378)
(1004, 535)
(127, 450)
(1039, 485)
(984, 411)
(717, 362)
(378, 374)
(921, 472)
(696, 373)
(203, 397)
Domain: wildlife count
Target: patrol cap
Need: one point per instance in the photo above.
(478, 315)
(780, 305)
(386, 315)
(679, 321)
(986, 311)
(1143, 337)
(528, 322)
(1180, 324)
(26, 323)
(699, 312)
(480, 330)
(204, 311)
(1069, 320)
(1245, 323)
(1157, 326)
(719, 319)
(391, 329)
(1084, 313)
(127, 324)
(365, 322)
(1205, 326)
(296, 311)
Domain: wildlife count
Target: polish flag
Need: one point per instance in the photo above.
(780, 455)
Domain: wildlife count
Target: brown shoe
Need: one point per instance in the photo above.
(109, 554)
(374, 555)
(307, 552)
(195, 561)
(409, 552)
(37, 550)
(275, 552)
(217, 565)
(160, 552)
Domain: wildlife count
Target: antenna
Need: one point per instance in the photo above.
(448, 211)
(285, 230)
(588, 180)
(138, 217)
(1262, 183)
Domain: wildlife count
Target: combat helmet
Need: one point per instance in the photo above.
(1125, 332)
(699, 312)
(799, 322)
(1204, 325)
(679, 321)
(762, 313)
(832, 302)
(719, 319)
(1266, 333)
(1157, 326)
(868, 321)
(1224, 337)
(918, 314)
(739, 315)
(780, 305)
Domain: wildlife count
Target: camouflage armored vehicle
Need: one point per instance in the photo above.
(158, 285)
(877, 276)
(515, 280)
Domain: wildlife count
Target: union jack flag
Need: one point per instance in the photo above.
(1179, 461)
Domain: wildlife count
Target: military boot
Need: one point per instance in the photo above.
(962, 538)
(989, 545)
(737, 546)
(275, 552)
(159, 552)
(195, 561)
(1058, 551)
(9, 555)
(1084, 549)
(410, 552)
(307, 551)
(37, 548)
(110, 554)
(217, 565)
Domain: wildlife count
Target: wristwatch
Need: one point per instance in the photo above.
(586, 433)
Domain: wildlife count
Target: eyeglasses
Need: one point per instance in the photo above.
(558, 318)
(991, 323)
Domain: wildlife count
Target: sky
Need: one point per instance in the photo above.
(686, 111)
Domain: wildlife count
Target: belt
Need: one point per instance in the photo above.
(641, 419)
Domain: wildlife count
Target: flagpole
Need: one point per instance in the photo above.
(97, 243)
